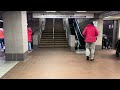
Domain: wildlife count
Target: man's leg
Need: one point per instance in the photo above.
(87, 51)
(29, 46)
(92, 48)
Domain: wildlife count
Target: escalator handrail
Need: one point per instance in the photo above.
(77, 36)
(78, 27)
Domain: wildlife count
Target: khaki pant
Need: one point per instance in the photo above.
(90, 50)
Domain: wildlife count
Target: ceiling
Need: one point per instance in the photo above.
(97, 12)
(115, 17)
(67, 12)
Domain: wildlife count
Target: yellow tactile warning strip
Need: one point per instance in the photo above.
(54, 63)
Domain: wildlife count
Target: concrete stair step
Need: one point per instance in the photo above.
(60, 41)
(47, 40)
(45, 46)
(60, 44)
(47, 33)
(46, 37)
(59, 33)
(46, 43)
(60, 37)
(53, 46)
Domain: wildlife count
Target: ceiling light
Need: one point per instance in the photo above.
(81, 11)
(50, 11)
(108, 17)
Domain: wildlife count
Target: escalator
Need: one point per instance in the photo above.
(75, 30)
(79, 35)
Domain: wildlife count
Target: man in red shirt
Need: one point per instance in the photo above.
(90, 32)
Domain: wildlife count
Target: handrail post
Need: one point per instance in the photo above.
(53, 30)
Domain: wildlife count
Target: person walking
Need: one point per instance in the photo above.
(90, 33)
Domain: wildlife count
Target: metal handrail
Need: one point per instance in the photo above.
(78, 27)
(77, 37)
(53, 30)
(40, 32)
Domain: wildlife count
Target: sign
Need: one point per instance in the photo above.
(59, 15)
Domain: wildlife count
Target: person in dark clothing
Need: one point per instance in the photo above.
(106, 43)
(32, 41)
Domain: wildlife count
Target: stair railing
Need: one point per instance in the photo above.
(40, 32)
(53, 30)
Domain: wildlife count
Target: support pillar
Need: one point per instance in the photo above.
(100, 30)
(16, 39)
(118, 29)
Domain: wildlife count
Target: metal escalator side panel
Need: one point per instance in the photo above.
(79, 36)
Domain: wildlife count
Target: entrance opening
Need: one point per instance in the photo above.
(54, 35)
(109, 34)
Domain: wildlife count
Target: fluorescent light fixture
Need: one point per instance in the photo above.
(81, 11)
(50, 11)
(108, 17)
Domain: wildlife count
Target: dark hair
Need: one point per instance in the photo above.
(91, 23)
(28, 25)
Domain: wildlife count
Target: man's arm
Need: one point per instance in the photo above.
(96, 32)
(84, 32)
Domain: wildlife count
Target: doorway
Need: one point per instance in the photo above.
(54, 35)
(110, 30)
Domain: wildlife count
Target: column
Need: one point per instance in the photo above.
(16, 39)
(118, 29)
(100, 30)
(114, 33)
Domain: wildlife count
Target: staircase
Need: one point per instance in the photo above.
(60, 40)
(56, 39)
(46, 40)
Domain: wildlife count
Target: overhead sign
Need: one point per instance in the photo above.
(59, 15)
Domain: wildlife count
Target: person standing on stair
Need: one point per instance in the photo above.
(29, 39)
(90, 32)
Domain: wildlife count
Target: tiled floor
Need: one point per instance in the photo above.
(45, 63)
(5, 66)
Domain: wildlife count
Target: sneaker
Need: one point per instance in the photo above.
(2, 50)
(91, 59)
(87, 57)
(29, 51)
